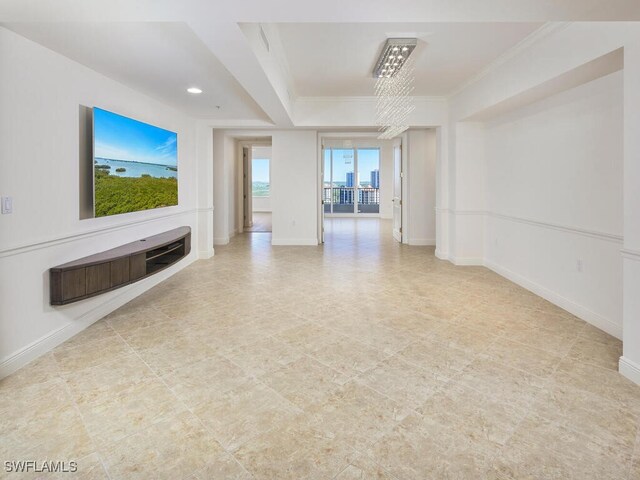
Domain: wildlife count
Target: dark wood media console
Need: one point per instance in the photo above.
(120, 266)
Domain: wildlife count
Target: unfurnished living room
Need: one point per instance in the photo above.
(280, 239)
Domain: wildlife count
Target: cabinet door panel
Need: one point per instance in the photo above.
(138, 266)
(98, 278)
(73, 284)
(119, 271)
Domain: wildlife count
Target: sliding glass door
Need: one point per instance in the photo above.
(351, 181)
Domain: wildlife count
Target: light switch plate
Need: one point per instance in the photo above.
(7, 205)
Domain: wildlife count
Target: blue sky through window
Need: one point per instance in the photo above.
(260, 170)
(343, 162)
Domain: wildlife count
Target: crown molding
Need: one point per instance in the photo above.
(365, 98)
(534, 37)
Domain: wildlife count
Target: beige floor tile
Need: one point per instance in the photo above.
(178, 352)
(41, 422)
(597, 417)
(445, 360)
(605, 355)
(357, 414)
(506, 384)
(307, 337)
(265, 355)
(599, 381)
(98, 331)
(412, 323)
(108, 378)
(112, 416)
(470, 412)
(386, 340)
(222, 467)
(363, 468)
(90, 354)
(41, 370)
(542, 339)
(126, 320)
(595, 334)
(293, 450)
(405, 383)
(173, 448)
(244, 412)
(347, 355)
(205, 381)
(304, 382)
(464, 338)
(153, 335)
(542, 449)
(415, 450)
(517, 355)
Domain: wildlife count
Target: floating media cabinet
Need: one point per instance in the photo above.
(120, 266)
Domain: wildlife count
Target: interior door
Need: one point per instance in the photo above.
(397, 193)
(247, 198)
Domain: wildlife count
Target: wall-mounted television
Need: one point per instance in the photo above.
(135, 165)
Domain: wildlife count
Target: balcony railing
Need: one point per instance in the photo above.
(346, 195)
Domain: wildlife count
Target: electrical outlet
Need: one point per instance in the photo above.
(7, 205)
(579, 265)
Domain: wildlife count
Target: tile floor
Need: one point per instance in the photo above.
(361, 359)
(261, 222)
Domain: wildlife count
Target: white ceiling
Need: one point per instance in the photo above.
(160, 59)
(336, 59)
(212, 11)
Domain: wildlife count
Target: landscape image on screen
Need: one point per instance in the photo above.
(135, 165)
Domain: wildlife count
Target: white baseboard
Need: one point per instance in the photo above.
(429, 242)
(205, 254)
(466, 261)
(262, 211)
(580, 311)
(221, 240)
(441, 255)
(294, 241)
(48, 342)
(629, 369)
(386, 216)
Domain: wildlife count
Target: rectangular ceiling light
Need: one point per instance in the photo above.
(393, 55)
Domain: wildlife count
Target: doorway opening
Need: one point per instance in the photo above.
(357, 181)
(256, 188)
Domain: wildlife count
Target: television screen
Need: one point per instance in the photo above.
(135, 165)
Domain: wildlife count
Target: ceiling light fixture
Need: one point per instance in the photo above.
(194, 90)
(394, 86)
(390, 52)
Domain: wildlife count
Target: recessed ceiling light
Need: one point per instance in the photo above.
(194, 90)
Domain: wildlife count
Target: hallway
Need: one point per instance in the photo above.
(359, 358)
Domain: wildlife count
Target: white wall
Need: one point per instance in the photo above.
(261, 204)
(41, 93)
(554, 197)
(421, 184)
(294, 187)
(224, 158)
(386, 179)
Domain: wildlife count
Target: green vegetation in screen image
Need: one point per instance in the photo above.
(115, 195)
(260, 189)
